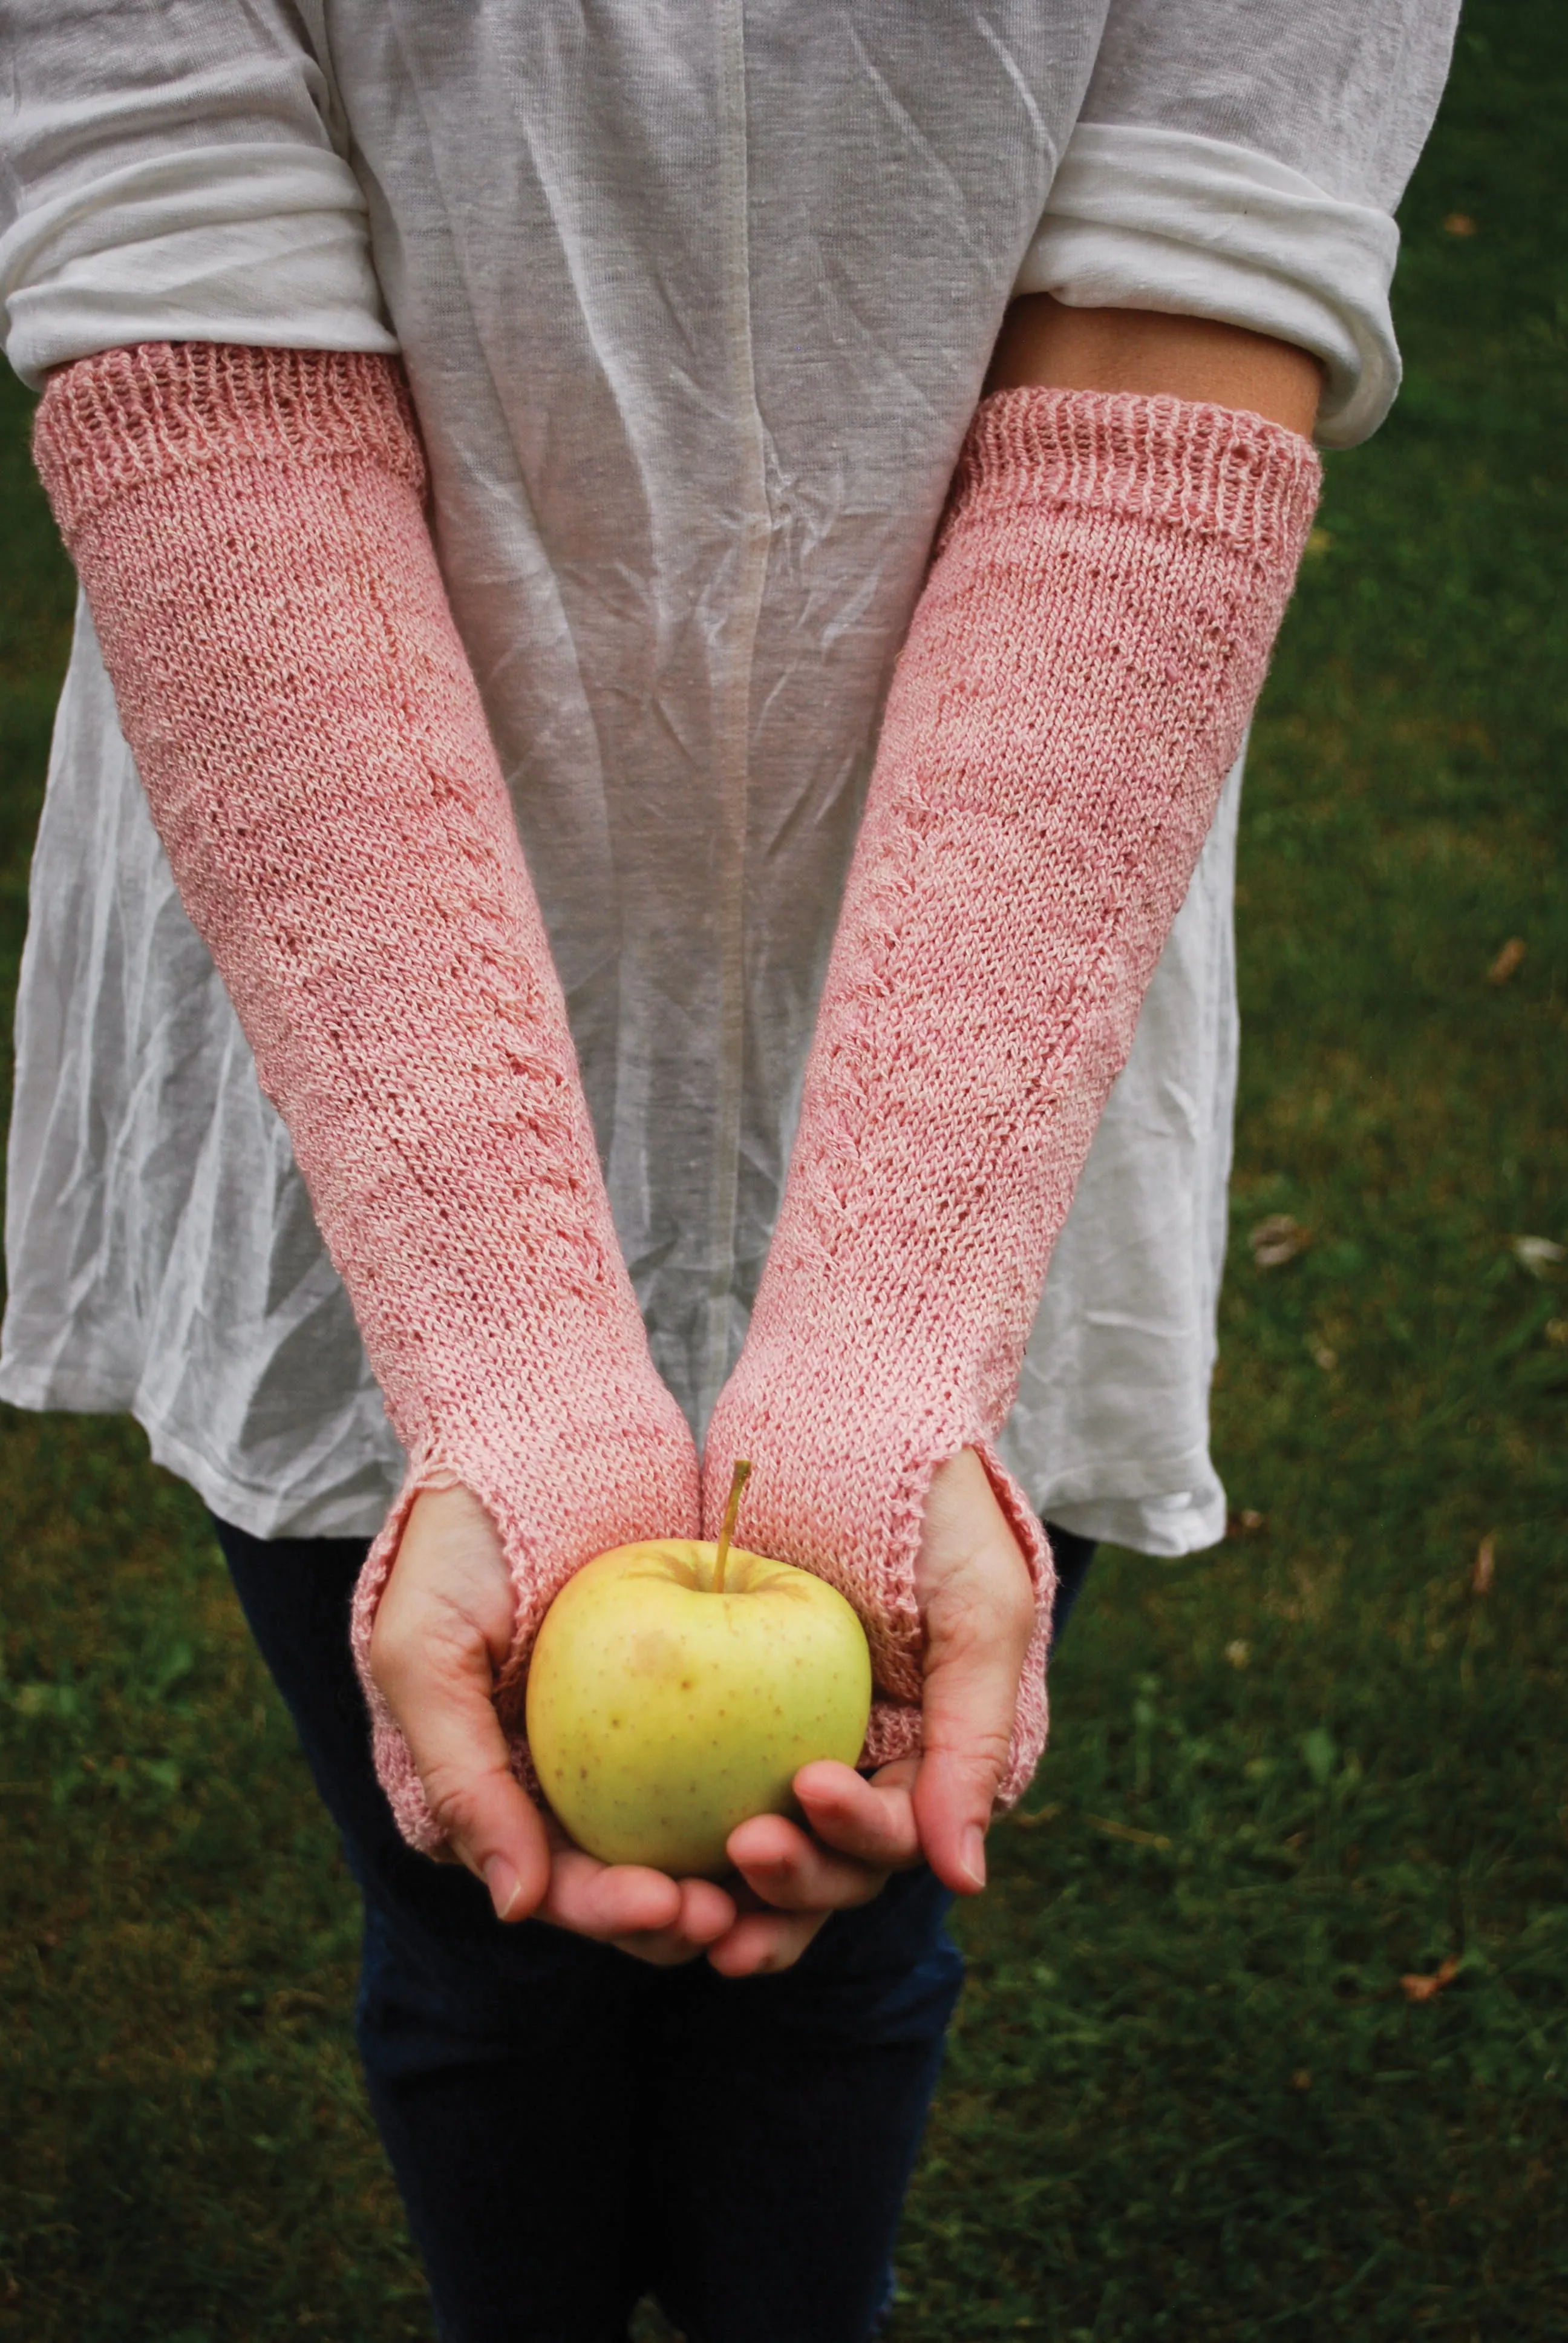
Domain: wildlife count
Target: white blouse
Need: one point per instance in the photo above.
(695, 299)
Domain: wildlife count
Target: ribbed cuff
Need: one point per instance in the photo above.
(112, 424)
(1216, 470)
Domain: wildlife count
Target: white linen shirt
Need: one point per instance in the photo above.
(695, 299)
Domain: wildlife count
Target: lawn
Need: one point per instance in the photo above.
(1266, 2034)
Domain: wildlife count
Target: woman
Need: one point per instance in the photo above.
(502, 453)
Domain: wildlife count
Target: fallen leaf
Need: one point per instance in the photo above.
(1248, 1523)
(1278, 1240)
(293, 1998)
(1460, 224)
(1301, 2080)
(1537, 1254)
(1485, 1565)
(1319, 542)
(1507, 960)
(1035, 1817)
(1238, 1653)
(1322, 1356)
(1127, 1831)
(1556, 1332)
(1427, 1988)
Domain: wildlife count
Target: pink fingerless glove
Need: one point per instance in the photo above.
(1106, 587)
(248, 527)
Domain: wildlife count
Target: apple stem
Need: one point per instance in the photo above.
(741, 1475)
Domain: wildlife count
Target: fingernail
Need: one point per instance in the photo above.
(503, 1885)
(974, 1853)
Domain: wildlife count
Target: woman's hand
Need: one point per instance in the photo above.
(443, 1629)
(977, 1604)
(442, 1633)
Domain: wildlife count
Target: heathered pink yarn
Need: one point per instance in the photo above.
(248, 526)
(1106, 585)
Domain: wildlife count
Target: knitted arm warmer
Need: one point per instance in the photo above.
(1106, 587)
(248, 527)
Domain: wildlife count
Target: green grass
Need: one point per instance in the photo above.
(1188, 2095)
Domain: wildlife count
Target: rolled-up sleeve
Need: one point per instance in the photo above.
(1241, 160)
(174, 173)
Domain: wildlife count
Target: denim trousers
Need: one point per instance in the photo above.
(572, 2129)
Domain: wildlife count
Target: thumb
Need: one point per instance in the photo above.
(967, 1710)
(461, 1757)
(978, 1606)
(443, 1622)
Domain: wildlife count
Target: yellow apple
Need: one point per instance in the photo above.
(662, 1713)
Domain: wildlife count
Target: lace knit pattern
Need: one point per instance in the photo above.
(248, 527)
(1106, 585)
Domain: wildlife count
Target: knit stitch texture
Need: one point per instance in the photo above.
(1106, 585)
(250, 529)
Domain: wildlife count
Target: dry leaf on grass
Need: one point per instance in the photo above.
(1485, 1565)
(1460, 224)
(1129, 1831)
(1248, 1523)
(1427, 1988)
(1301, 2080)
(1537, 1254)
(1238, 1653)
(1035, 1818)
(1278, 1240)
(1507, 960)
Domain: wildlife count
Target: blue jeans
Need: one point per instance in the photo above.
(571, 2129)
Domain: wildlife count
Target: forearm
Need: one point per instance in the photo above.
(1076, 682)
(314, 752)
(248, 528)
